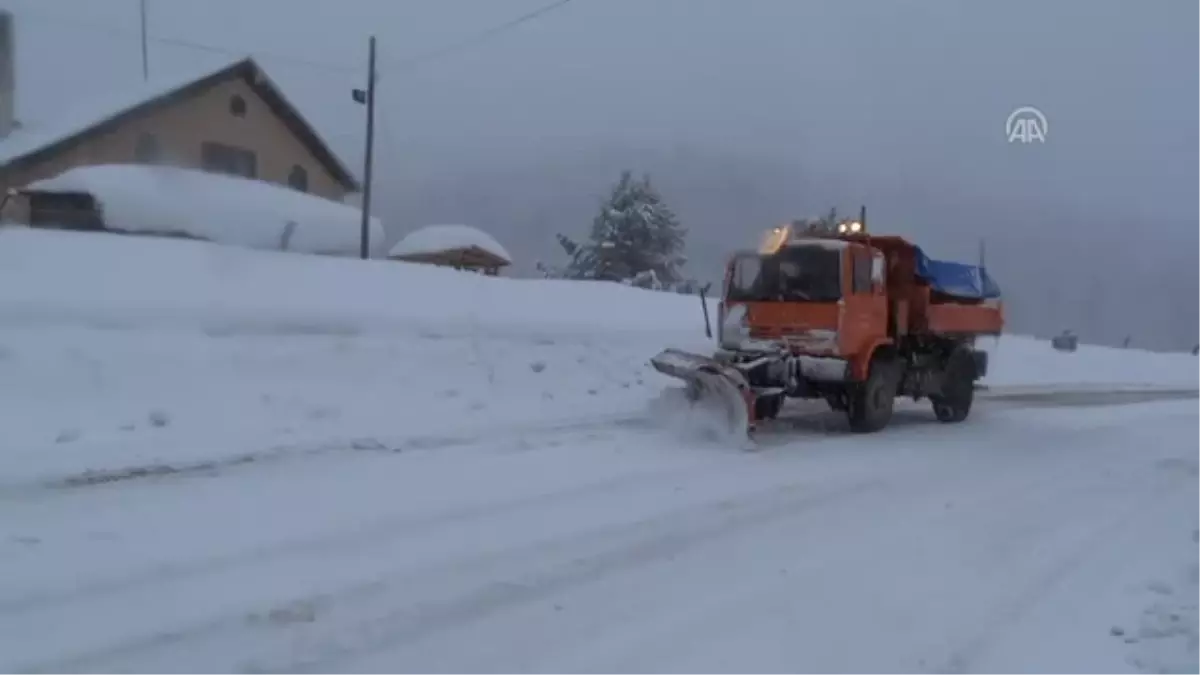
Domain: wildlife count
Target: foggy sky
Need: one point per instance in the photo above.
(784, 107)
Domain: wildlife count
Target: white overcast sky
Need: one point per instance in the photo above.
(894, 89)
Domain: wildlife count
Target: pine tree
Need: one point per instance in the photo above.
(582, 263)
(634, 233)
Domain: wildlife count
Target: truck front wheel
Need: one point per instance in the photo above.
(768, 407)
(870, 403)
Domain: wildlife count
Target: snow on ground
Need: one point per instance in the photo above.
(1009, 545)
(124, 351)
(220, 459)
(1020, 361)
(215, 207)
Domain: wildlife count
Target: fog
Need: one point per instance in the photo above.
(745, 112)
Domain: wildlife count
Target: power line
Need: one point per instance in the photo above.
(400, 65)
(191, 44)
(319, 65)
(477, 38)
(466, 43)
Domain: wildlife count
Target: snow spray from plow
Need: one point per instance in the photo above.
(713, 389)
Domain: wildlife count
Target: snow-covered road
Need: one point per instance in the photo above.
(1002, 544)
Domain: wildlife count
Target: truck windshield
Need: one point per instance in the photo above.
(794, 274)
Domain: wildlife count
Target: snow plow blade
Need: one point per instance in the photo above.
(711, 382)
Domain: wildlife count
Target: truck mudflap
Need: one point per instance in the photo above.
(981, 364)
(711, 381)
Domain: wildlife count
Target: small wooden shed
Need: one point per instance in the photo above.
(459, 246)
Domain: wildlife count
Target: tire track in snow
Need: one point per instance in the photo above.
(695, 622)
(290, 452)
(380, 531)
(1015, 499)
(794, 425)
(996, 495)
(1087, 397)
(547, 573)
(372, 535)
(831, 424)
(665, 536)
(1010, 612)
(489, 599)
(606, 549)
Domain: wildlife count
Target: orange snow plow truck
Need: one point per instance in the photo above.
(826, 310)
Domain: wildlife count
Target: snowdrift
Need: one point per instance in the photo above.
(162, 354)
(223, 209)
(1018, 361)
(109, 280)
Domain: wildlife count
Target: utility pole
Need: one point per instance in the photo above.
(367, 98)
(145, 49)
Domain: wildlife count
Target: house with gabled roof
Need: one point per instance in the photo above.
(231, 119)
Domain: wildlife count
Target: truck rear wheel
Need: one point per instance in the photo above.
(870, 403)
(953, 403)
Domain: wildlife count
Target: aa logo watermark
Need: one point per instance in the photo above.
(1026, 125)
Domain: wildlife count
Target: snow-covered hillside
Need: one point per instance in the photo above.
(293, 462)
(128, 350)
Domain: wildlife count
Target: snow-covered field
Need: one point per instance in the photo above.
(221, 459)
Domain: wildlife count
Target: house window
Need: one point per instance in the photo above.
(298, 178)
(147, 150)
(222, 158)
(237, 106)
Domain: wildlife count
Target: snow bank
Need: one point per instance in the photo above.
(1023, 361)
(109, 280)
(129, 351)
(440, 238)
(223, 209)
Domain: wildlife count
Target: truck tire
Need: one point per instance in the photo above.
(953, 403)
(870, 403)
(768, 407)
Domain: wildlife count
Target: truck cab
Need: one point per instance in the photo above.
(822, 296)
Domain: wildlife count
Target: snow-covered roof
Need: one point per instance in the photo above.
(215, 207)
(443, 238)
(87, 115)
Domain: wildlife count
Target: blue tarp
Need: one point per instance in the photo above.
(957, 279)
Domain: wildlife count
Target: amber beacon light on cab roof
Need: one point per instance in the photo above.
(825, 309)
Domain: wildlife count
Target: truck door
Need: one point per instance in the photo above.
(865, 318)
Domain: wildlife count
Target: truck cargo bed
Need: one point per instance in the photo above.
(962, 319)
